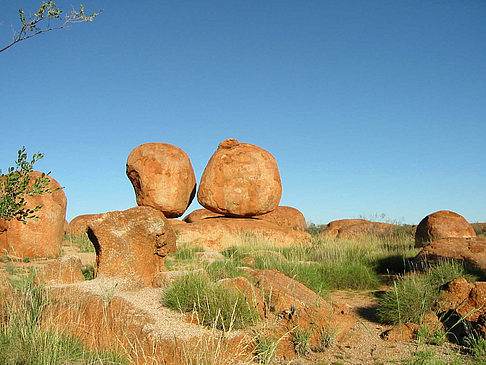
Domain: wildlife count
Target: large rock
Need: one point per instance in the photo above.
(219, 233)
(37, 238)
(351, 228)
(79, 224)
(470, 250)
(286, 217)
(131, 245)
(163, 178)
(65, 270)
(442, 224)
(240, 180)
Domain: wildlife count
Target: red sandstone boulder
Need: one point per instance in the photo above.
(163, 178)
(350, 228)
(79, 224)
(468, 300)
(37, 238)
(442, 224)
(470, 250)
(286, 217)
(200, 214)
(214, 234)
(65, 270)
(131, 245)
(240, 180)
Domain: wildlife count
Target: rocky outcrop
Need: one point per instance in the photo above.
(163, 178)
(240, 180)
(442, 224)
(131, 245)
(350, 228)
(79, 224)
(37, 238)
(216, 234)
(470, 250)
(286, 217)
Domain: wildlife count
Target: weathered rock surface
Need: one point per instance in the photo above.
(442, 224)
(350, 228)
(163, 178)
(468, 301)
(240, 180)
(216, 234)
(200, 214)
(131, 245)
(470, 250)
(40, 238)
(79, 224)
(65, 270)
(286, 217)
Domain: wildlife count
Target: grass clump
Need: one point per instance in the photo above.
(265, 346)
(301, 338)
(414, 295)
(88, 272)
(23, 341)
(224, 269)
(216, 306)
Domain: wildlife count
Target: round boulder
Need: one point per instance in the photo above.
(200, 214)
(287, 217)
(240, 180)
(163, 178)
(442, 224)
(39, 238)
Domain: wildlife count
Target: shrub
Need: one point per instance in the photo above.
(216, 306)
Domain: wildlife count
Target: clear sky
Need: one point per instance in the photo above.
(369, 107)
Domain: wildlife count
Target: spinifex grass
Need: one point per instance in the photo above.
(215, 305)
(412, 296)
(82, 240)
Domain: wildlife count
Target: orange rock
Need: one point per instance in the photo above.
(66, 270)
(216, 234)
(37, 238)
(401, 332)
(240, 180)
(163, 178)
(79, 224)
(471, 250)
(467, 299)
(131, 245)
(252, 295)
(286, 217)
(350, 228)
(200, 214)
(442, 224)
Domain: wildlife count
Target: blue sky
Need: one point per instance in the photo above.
(369, 107)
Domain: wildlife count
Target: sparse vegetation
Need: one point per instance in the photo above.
(301, 338)
(24, 341)
(265, 346)
(82, 240)
(215, 305)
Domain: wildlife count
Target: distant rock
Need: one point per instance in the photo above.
(479, 228)
(351, 228)
(200, 214)
(163, 178)
(442, 224)
(240, 180)
(79, 224)
(219, 233)
(131, 245)
(287, 217)
(40, 238)
(471, 250)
